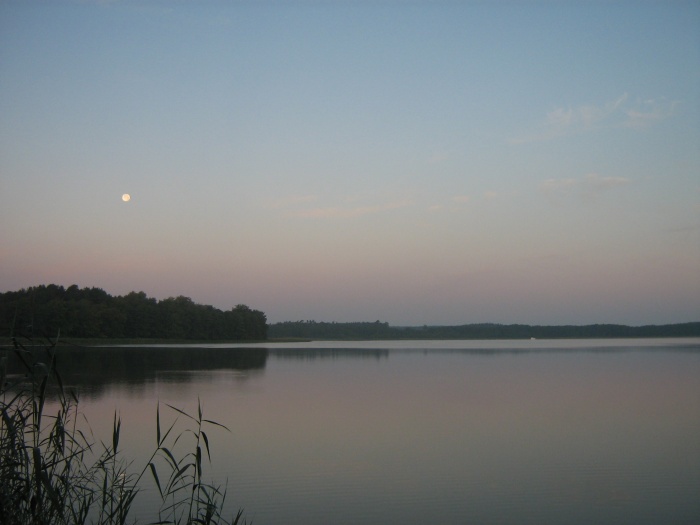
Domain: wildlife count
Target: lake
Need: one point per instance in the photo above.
(415, 432)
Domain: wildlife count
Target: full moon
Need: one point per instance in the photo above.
(126, 197)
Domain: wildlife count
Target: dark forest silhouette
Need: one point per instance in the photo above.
(93, 313)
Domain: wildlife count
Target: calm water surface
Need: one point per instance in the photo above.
(415, 432)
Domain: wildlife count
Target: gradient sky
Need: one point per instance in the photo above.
(416, 162)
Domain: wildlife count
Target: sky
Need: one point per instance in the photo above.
(416, 162)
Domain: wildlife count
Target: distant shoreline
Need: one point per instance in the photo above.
(92, 317)
(307, 331)
(111, 342)
(483, 331)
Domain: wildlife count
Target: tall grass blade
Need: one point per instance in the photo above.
(36, 455)
(105, 492)
(181, 412)
(155, 477)
(238, 517)
(42, 400)
(180, 472)
(18, 353)
(199, 463)
(59, 379)
(74, 395)
(9, 423)
(216, 424)
(173, 462)
(3, 371)
(206, 444)
(46, 483)
(115, 432)
(158, 441)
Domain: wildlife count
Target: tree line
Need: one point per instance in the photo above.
(380, 330)
(333, 330)
(93, 313)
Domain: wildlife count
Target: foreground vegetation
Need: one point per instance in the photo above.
(53, 471)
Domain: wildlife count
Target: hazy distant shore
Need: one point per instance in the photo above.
(320, 331)
(382, 331)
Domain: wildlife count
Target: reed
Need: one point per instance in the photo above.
(54, 471)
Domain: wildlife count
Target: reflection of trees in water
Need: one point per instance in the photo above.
(93, 370)
(329, 353)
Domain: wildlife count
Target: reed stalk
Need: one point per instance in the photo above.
(54, 471)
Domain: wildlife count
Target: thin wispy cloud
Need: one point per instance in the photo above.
(347, 212)
(456, 203)
(589, 186)
(649, 112)
(291, 200)
(461, 202)
(620, 112)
